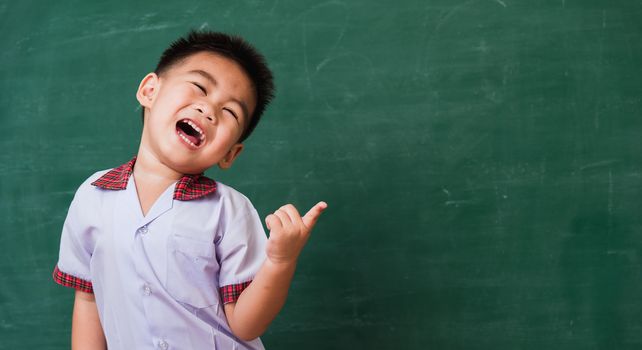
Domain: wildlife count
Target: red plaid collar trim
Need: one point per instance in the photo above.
(188, 187)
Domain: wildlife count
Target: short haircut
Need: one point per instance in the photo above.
(234, 48)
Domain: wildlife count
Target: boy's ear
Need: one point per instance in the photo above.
(229, 158)
(147, 90)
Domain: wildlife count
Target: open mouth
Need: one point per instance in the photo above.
(190, 132)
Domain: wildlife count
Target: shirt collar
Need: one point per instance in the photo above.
(187, 188)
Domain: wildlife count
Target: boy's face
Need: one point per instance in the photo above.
(196, 112)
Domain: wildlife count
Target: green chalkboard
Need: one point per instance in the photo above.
(482, 160)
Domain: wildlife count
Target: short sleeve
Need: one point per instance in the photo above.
(77, 244)
(241, 252)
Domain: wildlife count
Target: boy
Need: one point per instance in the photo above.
(162, 257)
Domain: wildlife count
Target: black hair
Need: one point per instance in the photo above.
(234, 48)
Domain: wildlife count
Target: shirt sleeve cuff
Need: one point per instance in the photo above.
(74, 282)
(232, 292)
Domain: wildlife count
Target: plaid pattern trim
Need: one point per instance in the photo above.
(188, 187)
(116, 179)
(193, 186)
(74, 282)
(232, 292)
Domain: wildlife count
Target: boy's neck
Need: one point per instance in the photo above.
(151, 168)
(152, 178)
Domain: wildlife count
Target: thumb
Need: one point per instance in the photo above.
(310, 218)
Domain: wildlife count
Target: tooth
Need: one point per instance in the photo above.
(187, 140)
(195, 126)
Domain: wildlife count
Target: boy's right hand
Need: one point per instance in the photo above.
(289, 232)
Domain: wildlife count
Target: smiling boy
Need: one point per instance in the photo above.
(162, 257)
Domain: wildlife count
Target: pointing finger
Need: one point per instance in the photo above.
(310, 218)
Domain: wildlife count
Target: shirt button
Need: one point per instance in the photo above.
(163, 345)
(147, 290)
(143, 230)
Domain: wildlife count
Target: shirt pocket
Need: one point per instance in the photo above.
(192, 271)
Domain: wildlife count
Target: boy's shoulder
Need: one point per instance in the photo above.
(230, 197)
(87, 186)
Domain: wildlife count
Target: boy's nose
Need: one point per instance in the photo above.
(206, 112)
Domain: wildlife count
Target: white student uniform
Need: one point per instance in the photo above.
(160, 280)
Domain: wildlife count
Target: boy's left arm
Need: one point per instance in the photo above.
(262, 300)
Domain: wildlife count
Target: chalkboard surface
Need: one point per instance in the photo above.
(482, 160)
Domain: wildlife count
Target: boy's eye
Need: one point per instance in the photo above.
(200, 87)
(231, 112)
